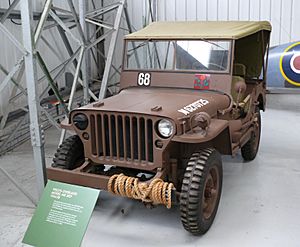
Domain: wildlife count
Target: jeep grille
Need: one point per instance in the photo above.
(122, 137)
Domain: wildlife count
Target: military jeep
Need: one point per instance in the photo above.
(189, 93)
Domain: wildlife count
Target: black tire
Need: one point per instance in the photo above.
(69, 154)
(250, 149)
(198, 201)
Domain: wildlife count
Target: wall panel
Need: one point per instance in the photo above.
(283, 14)
(213, 10)
(191, 10)
(202, 6)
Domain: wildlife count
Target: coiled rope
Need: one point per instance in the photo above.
(157, 192)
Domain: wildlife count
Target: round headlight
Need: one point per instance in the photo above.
(80, 121)
(165, 128)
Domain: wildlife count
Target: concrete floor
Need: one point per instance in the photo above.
(260, 204)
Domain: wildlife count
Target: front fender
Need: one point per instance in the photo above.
(66, 125)
(217, 136)
(216, 127)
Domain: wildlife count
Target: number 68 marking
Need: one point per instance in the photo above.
(144, 79)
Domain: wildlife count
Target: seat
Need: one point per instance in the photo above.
(239, 86)
(239, 70)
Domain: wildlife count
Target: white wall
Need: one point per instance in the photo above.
(283, 14)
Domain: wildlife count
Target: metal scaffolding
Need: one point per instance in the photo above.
(83, 34)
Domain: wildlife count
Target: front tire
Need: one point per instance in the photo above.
(201, 190)
(70, 154)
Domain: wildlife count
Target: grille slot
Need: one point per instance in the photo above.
(93, 134)
(122, 137)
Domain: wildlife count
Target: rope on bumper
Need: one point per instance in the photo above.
(157, 192)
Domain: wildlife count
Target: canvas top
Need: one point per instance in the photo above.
(200, 30)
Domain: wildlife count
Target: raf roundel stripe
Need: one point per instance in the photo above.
(290, 64)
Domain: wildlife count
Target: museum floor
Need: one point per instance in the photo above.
(259, 206)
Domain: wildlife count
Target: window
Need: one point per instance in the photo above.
(185, 55)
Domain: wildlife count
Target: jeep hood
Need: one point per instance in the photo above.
(165, 102)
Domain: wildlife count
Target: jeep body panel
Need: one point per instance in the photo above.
(177, 80)
(196, 136)
(149, 105)
(171, 101)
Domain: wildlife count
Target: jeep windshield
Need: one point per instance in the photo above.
(178, 55)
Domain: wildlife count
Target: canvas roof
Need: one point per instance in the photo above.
(200, 29)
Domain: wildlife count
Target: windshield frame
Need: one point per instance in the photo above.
(229, 58)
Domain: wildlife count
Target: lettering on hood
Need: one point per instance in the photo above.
(193, 106)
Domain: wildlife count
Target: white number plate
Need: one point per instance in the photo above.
(144, 79)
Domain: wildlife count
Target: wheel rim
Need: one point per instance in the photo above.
(210, 193)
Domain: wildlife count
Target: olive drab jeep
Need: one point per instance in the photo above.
(189, 93)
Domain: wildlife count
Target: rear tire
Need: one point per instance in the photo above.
(69, 154)
(201, 190)
(250, 149)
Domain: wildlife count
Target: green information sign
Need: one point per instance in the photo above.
(62, 216)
